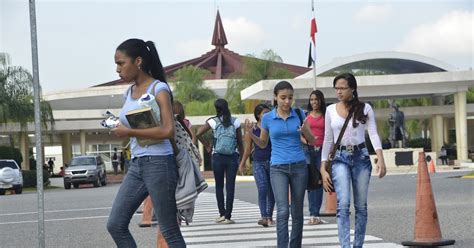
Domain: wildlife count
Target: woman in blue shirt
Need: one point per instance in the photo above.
(153, 168)
(288, 169)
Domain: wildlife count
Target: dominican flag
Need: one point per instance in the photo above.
(312, 42)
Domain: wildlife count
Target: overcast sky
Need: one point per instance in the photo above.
(77, 39)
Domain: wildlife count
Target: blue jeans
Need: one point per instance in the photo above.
(266, 200)
(351, 168)
(315, 197)
(228, 165)
(150, 175)
(294, 176)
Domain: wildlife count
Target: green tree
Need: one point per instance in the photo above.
(254, 70)
(188, 85)
(16, 96)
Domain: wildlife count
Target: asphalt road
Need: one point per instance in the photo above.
(77, 217)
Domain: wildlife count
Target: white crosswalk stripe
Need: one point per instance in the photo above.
(204, 232)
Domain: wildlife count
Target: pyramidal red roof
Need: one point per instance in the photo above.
(220, 61)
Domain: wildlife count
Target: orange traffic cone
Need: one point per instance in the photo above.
(427, 230)
(331, 204)
(432, 167)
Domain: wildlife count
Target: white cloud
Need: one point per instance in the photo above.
(192, 48)
(243, 34)
(451, 35)
(373, 13)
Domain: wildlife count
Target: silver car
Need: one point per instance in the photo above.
(84, 170)
(10, 176)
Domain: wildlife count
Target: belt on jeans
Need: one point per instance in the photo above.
(351, 148)
(294, 163)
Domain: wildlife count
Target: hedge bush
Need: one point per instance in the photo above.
(7, 152)
(29, 178)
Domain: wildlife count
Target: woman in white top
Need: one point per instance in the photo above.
(351, 163)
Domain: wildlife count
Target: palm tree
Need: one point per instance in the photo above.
(16, 97)
(255, 69)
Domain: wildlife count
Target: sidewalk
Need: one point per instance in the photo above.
(208, 175)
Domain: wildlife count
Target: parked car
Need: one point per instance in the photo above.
(10, 176)
(84, 170)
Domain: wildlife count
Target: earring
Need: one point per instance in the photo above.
(139, 68)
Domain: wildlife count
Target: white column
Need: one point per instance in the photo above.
(66, 147)
(461, 125)
(83, 142)
(24, 149)
(436, 133)
(446, 124)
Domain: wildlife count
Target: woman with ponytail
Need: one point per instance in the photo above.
(351, 164)
(153, 170)
(226, 147)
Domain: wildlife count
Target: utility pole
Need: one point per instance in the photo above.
(38, 136)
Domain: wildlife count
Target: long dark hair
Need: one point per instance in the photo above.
(258, 110)
(322, 102)
(151, 64)
(222, 110)
(356, 105)
(178, 110)
(282, 85)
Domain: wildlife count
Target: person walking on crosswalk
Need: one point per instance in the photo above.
(351, 166)
(288, 169)
(260, 167)
(226, 147)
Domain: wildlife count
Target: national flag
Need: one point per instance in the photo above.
(312, 43)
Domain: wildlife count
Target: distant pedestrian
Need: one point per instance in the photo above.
(351, 165)
(443, 155)
(261, 167)
(51, 166)
(115, 161)
(225, 150)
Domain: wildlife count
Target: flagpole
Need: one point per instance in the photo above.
(314, 60)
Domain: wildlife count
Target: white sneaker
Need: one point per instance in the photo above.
(227, 221)
(220, 219)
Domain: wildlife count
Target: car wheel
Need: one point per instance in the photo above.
(18, 190)
(67, 185)
(2, 191)
(76, 185)
(97, 182)
(104, 180)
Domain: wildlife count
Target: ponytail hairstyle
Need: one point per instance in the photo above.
(356, 105)
(322, 103)
(151, 63)
(258, 110)
(222, 110)
(282, 85)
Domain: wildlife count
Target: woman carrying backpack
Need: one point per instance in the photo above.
(225, 159)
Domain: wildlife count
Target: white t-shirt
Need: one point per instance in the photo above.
(352, 136)
(212, 123)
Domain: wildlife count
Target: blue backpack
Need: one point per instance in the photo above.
(225, 138)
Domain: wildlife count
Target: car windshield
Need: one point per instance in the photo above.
(82, 161)
(9, 164)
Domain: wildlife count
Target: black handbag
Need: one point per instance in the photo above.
(334, 149)
(314, 175)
